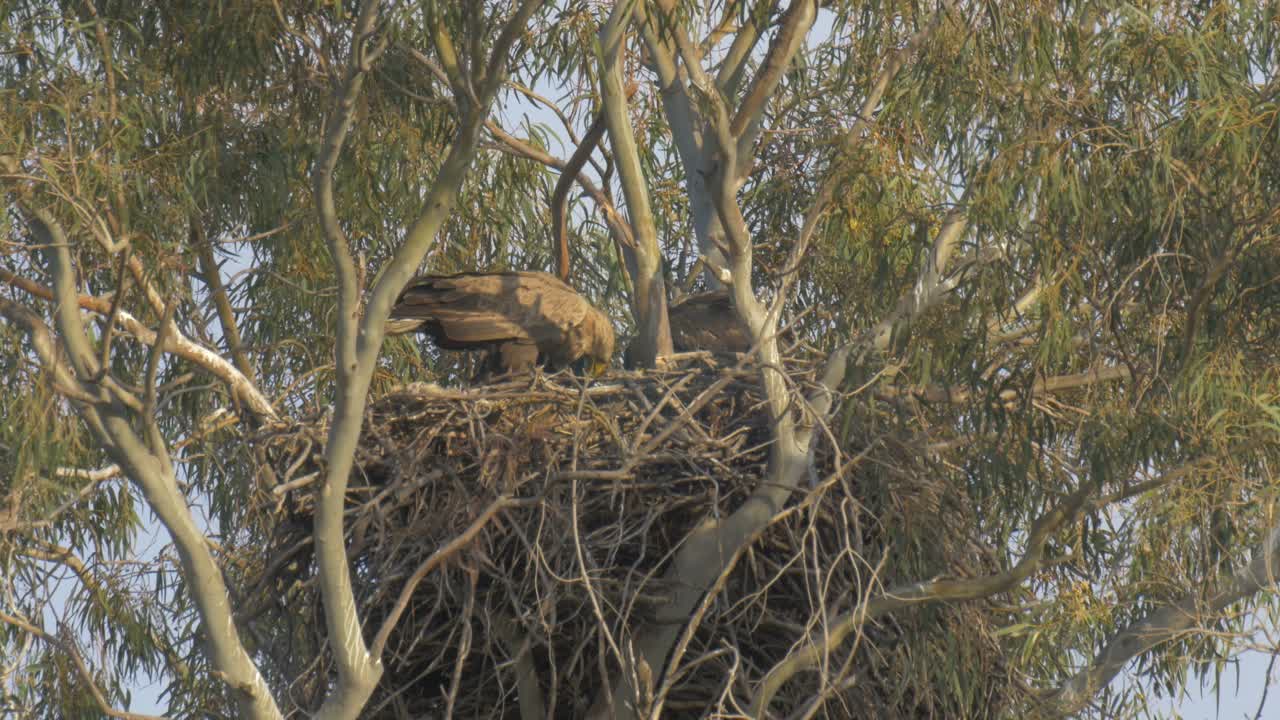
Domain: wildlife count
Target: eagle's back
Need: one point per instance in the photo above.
(707, 321)
(472, 309)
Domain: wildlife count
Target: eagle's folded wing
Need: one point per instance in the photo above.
(471, 311)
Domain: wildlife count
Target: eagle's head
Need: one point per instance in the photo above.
(599, 345)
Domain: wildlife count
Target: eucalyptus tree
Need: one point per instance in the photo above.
(1033, 245)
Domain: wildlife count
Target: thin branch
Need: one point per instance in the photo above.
(1169, 623)
(94, 478)
(687, 126)
(1266, 684)
(360, 338)
(259, 235)
(212, 277)
(705, 553)
(1006, 327)
(922, 592)
(302, 37)
(459, 81)
(731, 69)
(178, 344)
(122, 289)
(560, 196)
(153, 362)
(150, 469)
(67, 646)
(79, 349)
(357, 671)
(464, 643)
(553, 107)
(337, 125)
(606, 635)
(835, 175)
(796, 22)
(672, 671)
(47, 350)
(1043, 386)
(444, 552)
(57, 254)
(75, 341)
(722, 28)
(154, 475)
(1202, 293)
(65, 557)
(614, 219)
(650, 295)
(521, 148)
(931, 286)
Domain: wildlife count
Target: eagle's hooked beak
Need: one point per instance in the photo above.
(597, 368)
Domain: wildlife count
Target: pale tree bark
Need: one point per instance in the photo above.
(705, 554)
(175, 342)
(570, 170)
(715, 145)
(619, 230)
(724, 143)
(687, 131)
(688, 128)
(211, 275)
(838, 629)
(814, 651)
(1196, 609)
(68, 647)
(111, 413)
(358, 671)
(649, 290)
(360, 334)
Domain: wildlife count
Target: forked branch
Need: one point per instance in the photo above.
(1168, 623)
(359, 334)
(175, 342)
(650, 293)
(929, 591)
(68, 647)
(112, 423)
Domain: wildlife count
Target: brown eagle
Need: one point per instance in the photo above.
(702, 322)
(707, 321)
(522, 318)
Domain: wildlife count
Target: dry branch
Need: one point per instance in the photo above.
(570, 503)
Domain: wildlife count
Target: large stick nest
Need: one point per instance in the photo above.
(538, 519)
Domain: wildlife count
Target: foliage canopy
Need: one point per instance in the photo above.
(1027, 251)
